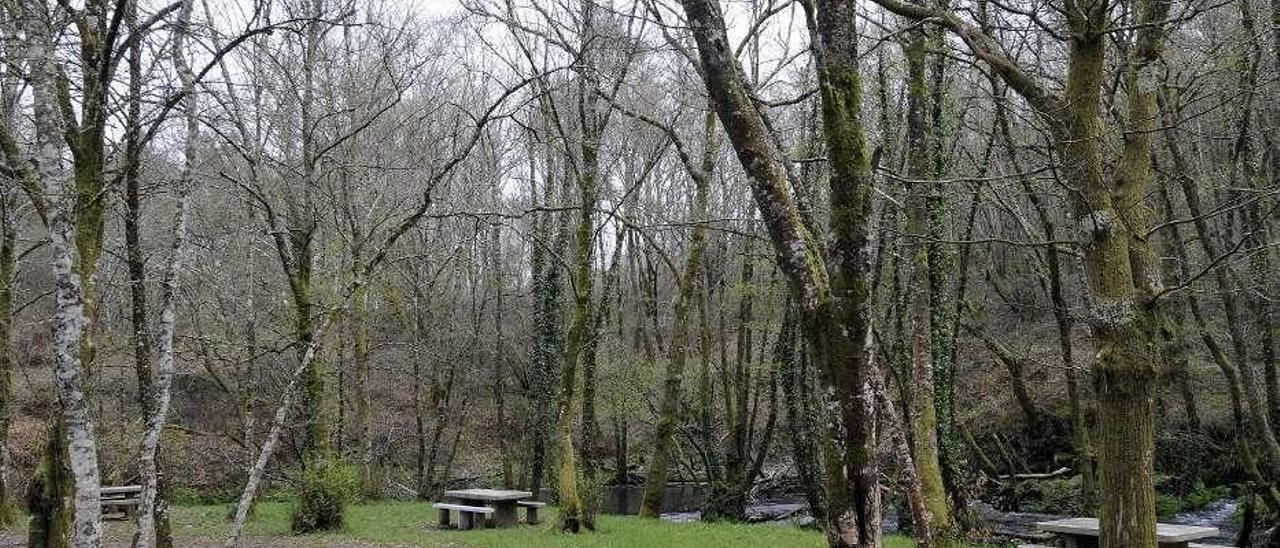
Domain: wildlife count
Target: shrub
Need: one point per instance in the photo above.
(1060, 496)
(1202, 497)
(324, 490)
(186, 496)
(8, 515)
(1167, 506)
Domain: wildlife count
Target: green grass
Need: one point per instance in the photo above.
(403, 523)
(413, 523)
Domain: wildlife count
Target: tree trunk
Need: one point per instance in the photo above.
(273, 434)
(360, 358)
(157, 410)
(834, 306)
(8, 239)
(67, 229)
(669, 415)
(922, 405)
(499, 362)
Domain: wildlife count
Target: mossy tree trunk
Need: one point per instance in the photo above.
(547, 325)
(842, 347)
(568, 475)
(360, 361)
(1121, 282)
(727, 498)
(8, 240)
(831, 289)
(65, 507)
(916, 249)
(671, 403)
(798, 397)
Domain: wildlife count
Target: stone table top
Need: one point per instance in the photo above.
(488, 494)
(1165, 532)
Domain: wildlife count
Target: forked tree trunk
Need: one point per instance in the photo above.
(834, 305)
(69, 312)
(1120, 279)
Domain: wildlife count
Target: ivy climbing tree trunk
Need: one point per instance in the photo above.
(1121, 282)
(920, 306)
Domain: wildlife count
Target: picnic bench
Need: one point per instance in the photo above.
(498, 505)
(119, 502)
(467, 515)
(531, 510)
(1083, 533)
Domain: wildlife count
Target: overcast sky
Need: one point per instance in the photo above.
(438, 8)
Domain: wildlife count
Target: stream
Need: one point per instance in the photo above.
(1010, 524)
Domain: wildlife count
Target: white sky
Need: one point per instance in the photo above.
(437, 8)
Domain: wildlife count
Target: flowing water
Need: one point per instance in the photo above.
(1009, 524)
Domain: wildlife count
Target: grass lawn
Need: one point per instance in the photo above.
(399, 523)
(412, 523)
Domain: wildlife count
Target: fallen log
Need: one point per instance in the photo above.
(1039, 476)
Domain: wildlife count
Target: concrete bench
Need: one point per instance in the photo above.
(467, 515)
(531, 510)
(119, 501)
(1074, 532)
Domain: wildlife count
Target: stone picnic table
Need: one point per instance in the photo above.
(1083, 533)
(502, 501)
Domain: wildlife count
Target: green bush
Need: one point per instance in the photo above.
(1198, 499)
(324, 490)
(1202, 497)
(1060, 496)
(1167, 506)
(9, 515)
